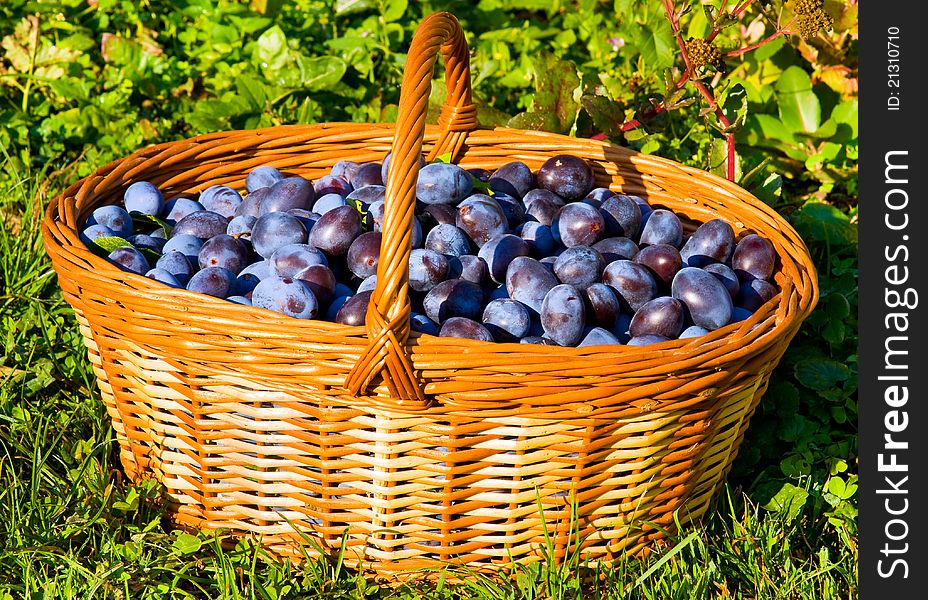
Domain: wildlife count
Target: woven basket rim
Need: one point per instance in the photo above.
(756, 334)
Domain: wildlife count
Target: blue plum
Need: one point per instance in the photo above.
(291, 297)
(143, 197)
(443, 183)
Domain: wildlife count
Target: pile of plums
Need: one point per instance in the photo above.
(509, 255)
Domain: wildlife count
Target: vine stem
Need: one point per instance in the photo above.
(780, 31)
(674, 18)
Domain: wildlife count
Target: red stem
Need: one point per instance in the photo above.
(770, 38)
(703, 90)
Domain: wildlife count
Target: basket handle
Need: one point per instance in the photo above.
(389, 309)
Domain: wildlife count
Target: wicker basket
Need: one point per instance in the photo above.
(418, 450)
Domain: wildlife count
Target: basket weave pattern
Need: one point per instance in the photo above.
(416, 448)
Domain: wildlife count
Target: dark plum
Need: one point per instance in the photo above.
(598, 336)
(755, 293)
(244, 284)
(422, 324)
(620, 328)
(549, 261)
(417, 237)
(334, 232)
(289, 260)
(185, 243)
(344, 169)
(241, 226)
(427, 269)
(513, 178)
(707, 301)
(529, 281)
(364, 253)
(324, 204)
(129, 259)
(177, 208)
(646, 340)
(366, 174)
(662, 316)
(164, 276)
(578, 224)
(568, 176)
(144, 241)
(332, 184)
(500, 251)
(453, 298)
(291, 192)
(275, 230)
(95, 232)
(563, 315)
(367, 284)
(306, 217)
(739, 314)
(481, 174)
(512, 208)
(538, 340)
(621, 215)
(498, 293)
(354, 310)
(726, 275)
(204, 224)
(385, 166)
(646, 212)
(443, 183)
(448, 239)
(507, 319)
(580, 266)
(693, 331)
(143, 197)
(598, 195)
(433, 215)
(712, 242)
(753, 258)
(115, 217)
(221, 199)
(602, 305)
(212, 281)
(261, 269)
(663, 227)
(251, 204)
(331, 311)
(538, 237)
(367, 195)
(321, 281)
(542, 205)
(373, 216)
(616, 248)
(462, 327)
(262, 177)
(469, 268)
(225, 251)
(663, 260)
(291, 297)
(633, 283)
(481, 218)
(177, 264)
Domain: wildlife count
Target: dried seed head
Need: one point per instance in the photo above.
(811, 17)
(702, 52)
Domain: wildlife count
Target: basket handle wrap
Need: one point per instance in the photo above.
(388, 313)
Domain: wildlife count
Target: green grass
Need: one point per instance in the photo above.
(72, 526)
